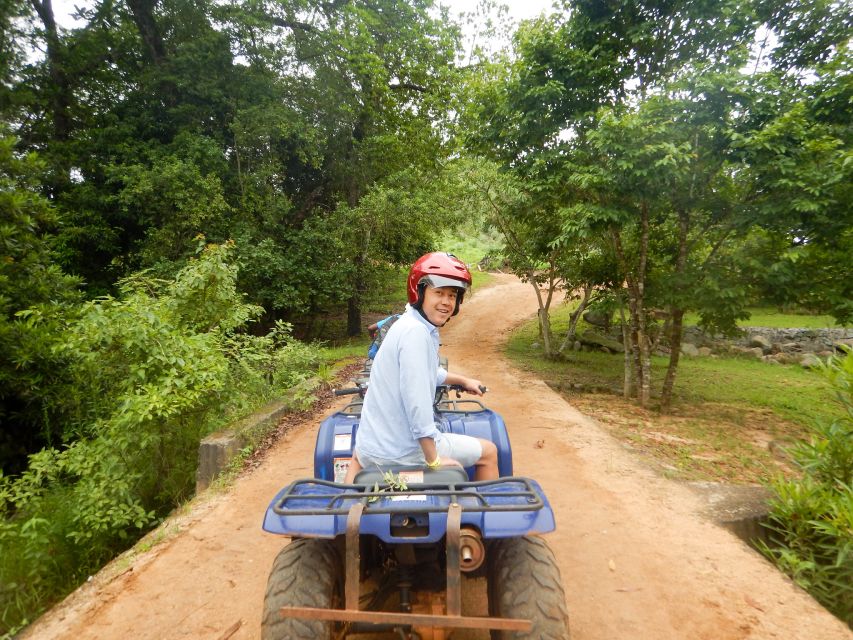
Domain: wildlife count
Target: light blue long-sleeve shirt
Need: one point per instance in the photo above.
(398, 407)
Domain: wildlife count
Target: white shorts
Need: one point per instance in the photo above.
(466, 450)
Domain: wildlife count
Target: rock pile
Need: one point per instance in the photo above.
(779, 346)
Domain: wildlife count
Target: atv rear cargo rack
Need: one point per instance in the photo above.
(483, 495)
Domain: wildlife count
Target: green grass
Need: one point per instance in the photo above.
(725, 410)
(790, 391)
(471, 247)
(770, 317)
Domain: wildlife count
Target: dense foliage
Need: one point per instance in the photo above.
(693, 156)
(157, 120)
(146, 375)
(30, 283)
(812, 517)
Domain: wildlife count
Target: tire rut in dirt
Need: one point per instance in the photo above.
(306, 573)
(524, 582)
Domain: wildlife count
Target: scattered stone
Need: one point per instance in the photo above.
(760, 342)
(784, 358)
(843, 345)
(598, 319)
(810, 361)
(791, 340)
(755, 352)
(689, 349)
(596, 340)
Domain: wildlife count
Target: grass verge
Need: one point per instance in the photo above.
(773, 318)
(731, 418)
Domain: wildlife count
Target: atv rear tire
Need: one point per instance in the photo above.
(306, 573)
(524, 582)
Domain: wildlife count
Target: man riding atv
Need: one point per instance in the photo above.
(397, 420)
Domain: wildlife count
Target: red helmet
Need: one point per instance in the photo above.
(437, 269)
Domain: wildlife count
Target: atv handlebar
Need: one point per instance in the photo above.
(350, 391)
(458, 388)
(440, 389)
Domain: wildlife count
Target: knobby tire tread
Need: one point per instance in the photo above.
(524, 582)
(306, 573)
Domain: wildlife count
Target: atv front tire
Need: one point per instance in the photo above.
(306, 573)
(524, 582)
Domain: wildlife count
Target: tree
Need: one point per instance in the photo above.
(633, 120)
(799, 178)
(32, 287)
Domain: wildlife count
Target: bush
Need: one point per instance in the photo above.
(148, 375)
(812, 517)
(30, 283)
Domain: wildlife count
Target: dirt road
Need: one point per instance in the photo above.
(637, 561)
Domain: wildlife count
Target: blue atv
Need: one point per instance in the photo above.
(391, 552)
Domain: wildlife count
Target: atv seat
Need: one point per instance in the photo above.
(442, 475)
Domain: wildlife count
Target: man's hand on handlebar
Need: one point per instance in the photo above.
(471, 385)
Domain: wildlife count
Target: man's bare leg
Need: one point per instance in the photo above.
(352, 471)
(486, 468)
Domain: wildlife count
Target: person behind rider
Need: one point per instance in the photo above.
(378, 331)
(397, 425)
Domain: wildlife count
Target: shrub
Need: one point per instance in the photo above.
(812, 517)
(148, 375)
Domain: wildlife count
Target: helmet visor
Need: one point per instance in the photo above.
(436, 281)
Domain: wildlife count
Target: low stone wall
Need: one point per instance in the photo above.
(742, 509)
(806, 340)
(776, 346)
(782, 346)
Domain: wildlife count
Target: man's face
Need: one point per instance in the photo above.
(439, 303)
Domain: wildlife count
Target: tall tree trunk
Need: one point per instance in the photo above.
(635, 360)
(635, 281)
(628, 390)
(354, 185)
(59, 92)
(542, 314)
(545, 326)
(677, 315)
(642, 337)
(359, 281)
(674, 355)
(574, 318)
(143, 16)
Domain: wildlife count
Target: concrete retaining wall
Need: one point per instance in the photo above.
(216, 451)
